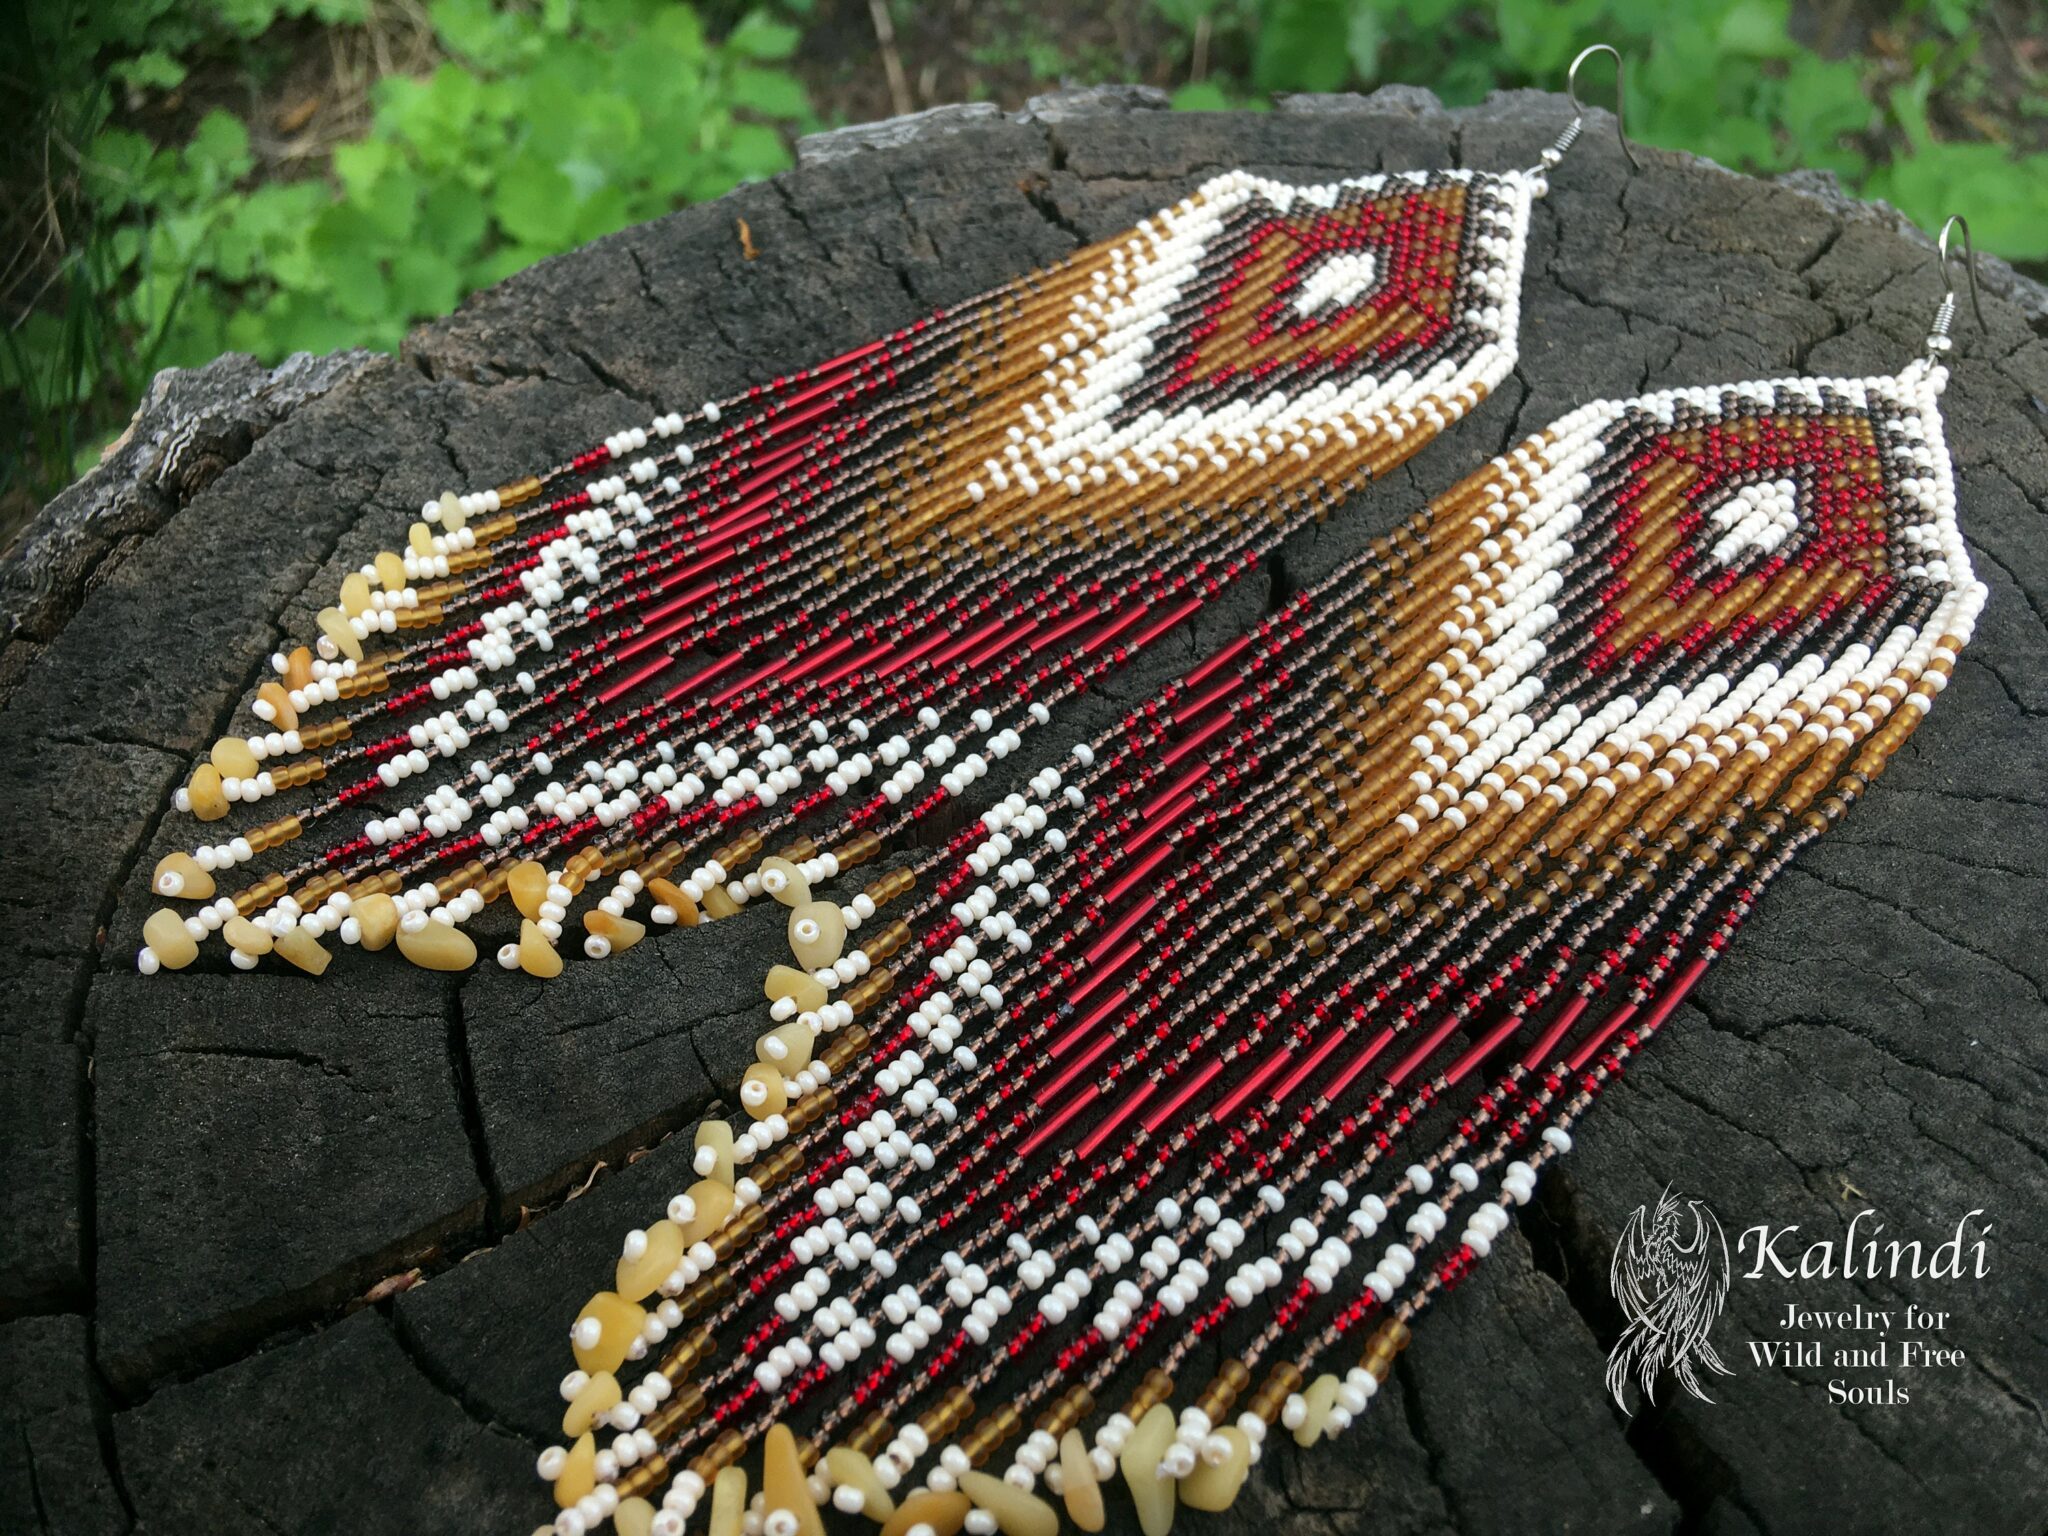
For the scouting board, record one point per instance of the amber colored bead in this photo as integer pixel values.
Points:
(728, 1448)
(643, 1478)
(869, 990)
(686, 1354)
(325, 734)
(982, 1440)
(939, 1421)
(1157, 1387)
(1387, 1341)
(888, 941)
(318, 889)
(875, 1431)
(846, 1045)
(1216, 1398)
(274, 834)
(368, 678)
(858, 849)
(706, 1294)
(684, 1405)
(779, 1165)
(1072, 1406)
(811, 1108)
(1281, 1383)
(260, 895)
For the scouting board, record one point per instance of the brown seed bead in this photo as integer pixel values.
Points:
(274, 834)
(309, 770)
(1073, 1405)
(949, 1413)
(689, 1352)
(875, 1432)
(684, 1405)
(1387, 1341)
(869, 990)
(706, 1294)
(1216, 1398)
(858, 849)
(847, 1044)
(888, 941)
(783, 1163)
(983, 1440)
(1157, 1387)
(810, 1109)
(728, 1448)
(260, 895)
(1281, 1383)
(894, 883)
(640, 1480)
(326, 734)
(740, 852)
(368, 678)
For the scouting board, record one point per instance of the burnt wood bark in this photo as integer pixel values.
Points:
(210, 1179)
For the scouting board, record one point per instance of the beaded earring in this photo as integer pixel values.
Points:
(1505, 785)
(798, 604)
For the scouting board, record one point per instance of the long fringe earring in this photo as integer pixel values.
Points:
(803, 618)
(1210, 1038)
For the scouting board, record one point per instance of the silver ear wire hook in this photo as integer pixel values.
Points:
(1948, 283)
(1577, 125)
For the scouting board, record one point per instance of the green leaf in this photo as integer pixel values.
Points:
(292, 322)
(360, 166)
(124, 247)
(425, 282)
(247, 18)
(755, 151)
(381, 184)
(503, 262)
(760, 36)
(219, 149)
(452, 220)
(674, 39)
(599, 214)
(531, 200)
(1298, 48)
(1364, 39)
(115, 166)
(153, 70)
(476, 30)
(1820, 104)
(436, 116)
(1202, 96)
(2002, 194)
(1757, 29)
(345, 249)
(769, 92)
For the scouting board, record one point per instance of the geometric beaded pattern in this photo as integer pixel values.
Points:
(703, 629)
(1490, 799)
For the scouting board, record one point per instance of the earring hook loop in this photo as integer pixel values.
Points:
(1577, 125)
(1948, 283)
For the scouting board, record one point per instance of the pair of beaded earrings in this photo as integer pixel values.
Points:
(1206, 1033)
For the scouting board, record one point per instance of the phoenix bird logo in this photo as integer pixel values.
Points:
(1670, 1275)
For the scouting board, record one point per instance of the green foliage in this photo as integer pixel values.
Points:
(1721, 78)
(547, 125)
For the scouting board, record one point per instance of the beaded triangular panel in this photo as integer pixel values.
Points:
(650, 658)
(1698, 556)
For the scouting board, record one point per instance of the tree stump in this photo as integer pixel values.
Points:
(286, 1255)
